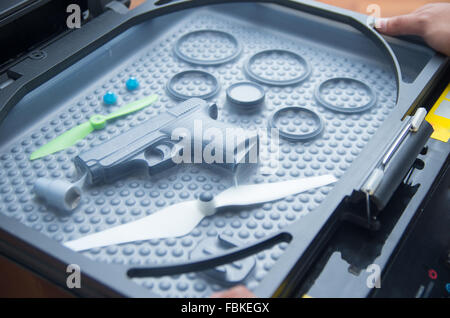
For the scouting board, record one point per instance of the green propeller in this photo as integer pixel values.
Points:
(70, 137)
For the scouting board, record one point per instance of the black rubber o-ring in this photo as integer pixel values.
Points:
(322, 101)
(297, 137)
(188, 59)
(176, 94)
(260, 79)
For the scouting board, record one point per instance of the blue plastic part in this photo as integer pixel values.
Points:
(276, 74)
(344, 92)
(291, 136)
(132, 84)
(204, 81)
(219, 39)
(110, 98)
(246, 94)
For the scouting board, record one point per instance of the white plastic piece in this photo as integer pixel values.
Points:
(173, 221)
(266, 192)
(418, 119)
(207, 208)
(180, 219)
(61, 194)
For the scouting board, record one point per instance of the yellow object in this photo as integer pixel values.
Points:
(439, 117)
(306, 296)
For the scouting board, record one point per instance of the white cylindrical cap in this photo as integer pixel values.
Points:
(60, 194)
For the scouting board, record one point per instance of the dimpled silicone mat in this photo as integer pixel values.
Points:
(343, 138)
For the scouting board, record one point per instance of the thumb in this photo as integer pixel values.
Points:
(400, 25)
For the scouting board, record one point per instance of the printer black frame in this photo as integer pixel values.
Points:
(49, 258)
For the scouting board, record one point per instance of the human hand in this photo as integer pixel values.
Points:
(235, 292)
(431, 22)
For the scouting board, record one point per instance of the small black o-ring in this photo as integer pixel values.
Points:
(178, 95)
(297, 137)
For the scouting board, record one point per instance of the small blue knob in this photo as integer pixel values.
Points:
(447, 286)
(132, 83)
(110, 98)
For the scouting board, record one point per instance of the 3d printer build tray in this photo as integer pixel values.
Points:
(147, 53)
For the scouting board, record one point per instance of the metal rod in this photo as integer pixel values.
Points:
(395, 145)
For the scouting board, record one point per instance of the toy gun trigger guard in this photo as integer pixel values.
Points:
(159, 156)
(213, 111)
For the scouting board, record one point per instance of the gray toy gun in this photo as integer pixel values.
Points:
(186, 133)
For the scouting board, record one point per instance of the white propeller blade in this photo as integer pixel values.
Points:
(266, 192)
(172, 221)
(181, 218)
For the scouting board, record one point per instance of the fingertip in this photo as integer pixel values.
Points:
(239, 291)
(400, 25)
(381, 24)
